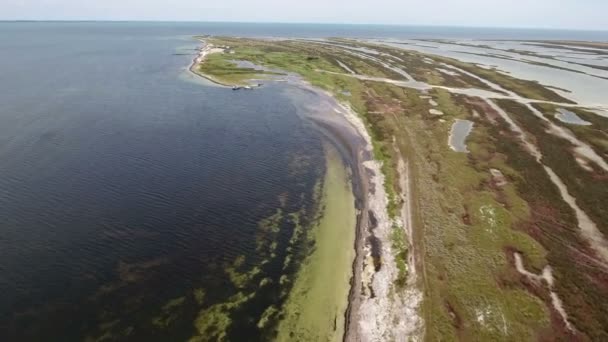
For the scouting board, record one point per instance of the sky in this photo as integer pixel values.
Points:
(570, 14)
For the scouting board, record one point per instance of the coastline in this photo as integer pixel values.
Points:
(375, 308)
(203, 52)
(343, 134)
(313, 311)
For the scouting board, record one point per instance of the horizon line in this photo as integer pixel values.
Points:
(295, 23)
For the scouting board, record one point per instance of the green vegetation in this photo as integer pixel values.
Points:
(269, 314)
(467, 226)
(315, 308)
(559, 155)
(241, 279)
(199, 296)
(398, 240)
(595, 135)
(169, 312)
(212, 323)
(553, 224)
(226, 72)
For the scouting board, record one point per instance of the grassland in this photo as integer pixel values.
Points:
(596, 134)
(554, 225)
(220, 70)
(557, 153)
(467, 226)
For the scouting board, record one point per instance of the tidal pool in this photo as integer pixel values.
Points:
(458, 135)
(569, 117)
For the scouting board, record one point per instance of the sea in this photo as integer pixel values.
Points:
(132, 192)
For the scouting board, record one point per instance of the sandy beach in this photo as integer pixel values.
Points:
(203, 52)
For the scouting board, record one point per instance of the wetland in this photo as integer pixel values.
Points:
(448, 263)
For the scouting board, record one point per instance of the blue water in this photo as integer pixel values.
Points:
(124, 184)
(82, 29)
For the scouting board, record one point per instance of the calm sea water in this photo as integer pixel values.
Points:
(82, 29)
(125, 184)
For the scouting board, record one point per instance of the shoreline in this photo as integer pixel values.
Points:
(200, 58)
(373, 310)
(341, 133)
(311, 305)
(379, 300)
(354, 156)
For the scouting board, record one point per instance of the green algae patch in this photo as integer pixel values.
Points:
(267, 316)
(199, 295)
(169, 313)
(212, 323)
(241, 279)
(268, 230)
(315, 308)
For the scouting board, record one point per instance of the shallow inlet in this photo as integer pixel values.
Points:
(458, 135)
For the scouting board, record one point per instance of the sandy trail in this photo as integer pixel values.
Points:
(547, 276)
(345, 67)
(207, 50)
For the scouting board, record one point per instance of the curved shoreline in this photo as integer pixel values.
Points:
(353, 155)
(374, 309)
(200, 57)
(343, 134)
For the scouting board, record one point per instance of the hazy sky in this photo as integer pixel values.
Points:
(579, 14)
